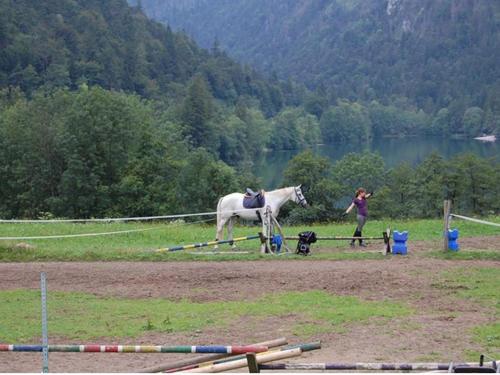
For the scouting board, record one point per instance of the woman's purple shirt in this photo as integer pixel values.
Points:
(361, 205)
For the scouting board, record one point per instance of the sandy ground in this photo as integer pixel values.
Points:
(439, 330)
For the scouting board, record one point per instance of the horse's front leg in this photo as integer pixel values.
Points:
(220, 231)
(263, 246)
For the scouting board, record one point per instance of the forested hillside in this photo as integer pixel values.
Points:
(63, 43)
(104, 112)
(437, 56)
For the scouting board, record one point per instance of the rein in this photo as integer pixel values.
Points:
(300, 196)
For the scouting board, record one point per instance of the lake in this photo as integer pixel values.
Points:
(394, 151)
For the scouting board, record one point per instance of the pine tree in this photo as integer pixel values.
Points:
(197, 111)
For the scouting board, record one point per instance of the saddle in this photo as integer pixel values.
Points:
(254, 199)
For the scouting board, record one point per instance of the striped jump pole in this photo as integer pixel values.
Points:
(136, 349)
(192, 362)
(386, 237)
(204, 244)
(337, 238)
(371, 366)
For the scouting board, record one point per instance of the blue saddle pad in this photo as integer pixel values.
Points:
(257, 201)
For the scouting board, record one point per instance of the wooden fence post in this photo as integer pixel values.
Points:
(253, 365)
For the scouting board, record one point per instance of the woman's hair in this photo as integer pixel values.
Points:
(359, 191)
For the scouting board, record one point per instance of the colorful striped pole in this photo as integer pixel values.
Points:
(204, 244)
(136, 349)
(193, 361)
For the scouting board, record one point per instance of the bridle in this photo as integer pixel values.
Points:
(300, 197)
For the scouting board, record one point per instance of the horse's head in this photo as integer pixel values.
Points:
(299, 196)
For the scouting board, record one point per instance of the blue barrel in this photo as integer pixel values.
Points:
(452, 240)
(276, 242)
(400, 239)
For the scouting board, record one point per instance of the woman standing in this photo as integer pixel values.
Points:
(361, 205)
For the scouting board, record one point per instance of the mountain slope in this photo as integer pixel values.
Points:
(55, 43)
(434, 54)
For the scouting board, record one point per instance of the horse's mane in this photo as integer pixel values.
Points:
(280, 189)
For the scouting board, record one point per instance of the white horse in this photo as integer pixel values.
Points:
(231, 207)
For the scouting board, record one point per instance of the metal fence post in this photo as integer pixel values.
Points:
(45, 340)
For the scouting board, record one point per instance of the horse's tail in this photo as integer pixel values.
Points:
(219, 203)
(219, 217)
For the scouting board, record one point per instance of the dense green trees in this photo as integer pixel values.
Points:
(94, 152)
(346, 121)
(400, 192)
(473, 121)
(293, 129)
(357, 122)
(63, 43)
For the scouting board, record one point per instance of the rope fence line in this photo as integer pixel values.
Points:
(139, 218)
(450, 236)
(77, 235)
(475, 220)
(98, 234)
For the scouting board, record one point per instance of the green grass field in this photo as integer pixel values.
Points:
(120, 317)
(309, 312)
(481, 286)
(314, 311)
(141, 245)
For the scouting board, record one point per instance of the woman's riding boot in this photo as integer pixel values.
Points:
(361, 241)
(357, 233)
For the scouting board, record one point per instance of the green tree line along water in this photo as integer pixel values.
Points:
(394, 151)
(94, 153)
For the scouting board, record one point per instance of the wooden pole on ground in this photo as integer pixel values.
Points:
(303, 367)
(262, 358)
(204, 358)
(304, 347)
(446, 212)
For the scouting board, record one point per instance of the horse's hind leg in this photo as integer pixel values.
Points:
(263, 246)
(220, 230)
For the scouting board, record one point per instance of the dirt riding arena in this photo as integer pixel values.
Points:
(441, 323)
